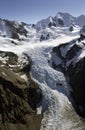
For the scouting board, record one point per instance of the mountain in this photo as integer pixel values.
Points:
(42, 74)
(71, 57)
(61, 19)
(15, 30)
(47, 27)
(81, 20)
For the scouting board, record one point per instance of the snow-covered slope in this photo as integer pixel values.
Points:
(59, 113)
(61, 19)
(80, 20)
(14, 29)
(46, 29)
(56, 104)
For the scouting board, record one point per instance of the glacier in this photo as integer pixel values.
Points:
(57, 109)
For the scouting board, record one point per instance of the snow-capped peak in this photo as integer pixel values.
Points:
(50, 27)
(61, 19)
(66, 18)
(80, 20)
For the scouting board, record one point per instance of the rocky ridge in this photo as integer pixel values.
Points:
(19, 94)
(42, 30)
(70, 59)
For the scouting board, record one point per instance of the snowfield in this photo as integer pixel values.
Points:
(56, 104)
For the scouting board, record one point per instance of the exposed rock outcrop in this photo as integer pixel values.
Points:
(19, 94)
(44, 37)
(77, 81)
(70, 59)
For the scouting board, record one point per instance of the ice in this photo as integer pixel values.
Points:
(56, 105)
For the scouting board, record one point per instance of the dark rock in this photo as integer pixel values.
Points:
(77, 80)
(15, 35)
(82, 37)
(72, 52)
(82, 31)
(21, 30)
(35, 96)
(16, 30)
(18, 97)
(12, 58)
(48, 36)
(60, 22)
(14, 42)
(52, 24)
(58, 51)
(42, 38)
(71, 28)
(75, 71)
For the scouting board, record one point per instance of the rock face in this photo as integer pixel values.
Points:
(77, 81)
(19, 94)
(12, 29)
(44, 37)
(70, 59)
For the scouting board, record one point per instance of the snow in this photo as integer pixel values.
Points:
(56, 103)
(3, 73)
(3, 59)
(79, 55)
(67, 19)
(43, 23)
(55, 91)
(39, 110)
(4, 29)
(17, 23)
(42, 26)
(82, 54)
(24, 77)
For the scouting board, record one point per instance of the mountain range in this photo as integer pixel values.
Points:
(20, 30)
(42, 74)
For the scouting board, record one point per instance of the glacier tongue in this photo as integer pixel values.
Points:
(58, 111)
(56, 106)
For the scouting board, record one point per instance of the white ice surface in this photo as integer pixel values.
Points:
(58, 111)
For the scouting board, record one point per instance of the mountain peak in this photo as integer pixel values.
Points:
(20, 30)
(63, 13)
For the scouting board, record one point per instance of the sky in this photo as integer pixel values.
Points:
(31, 11)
